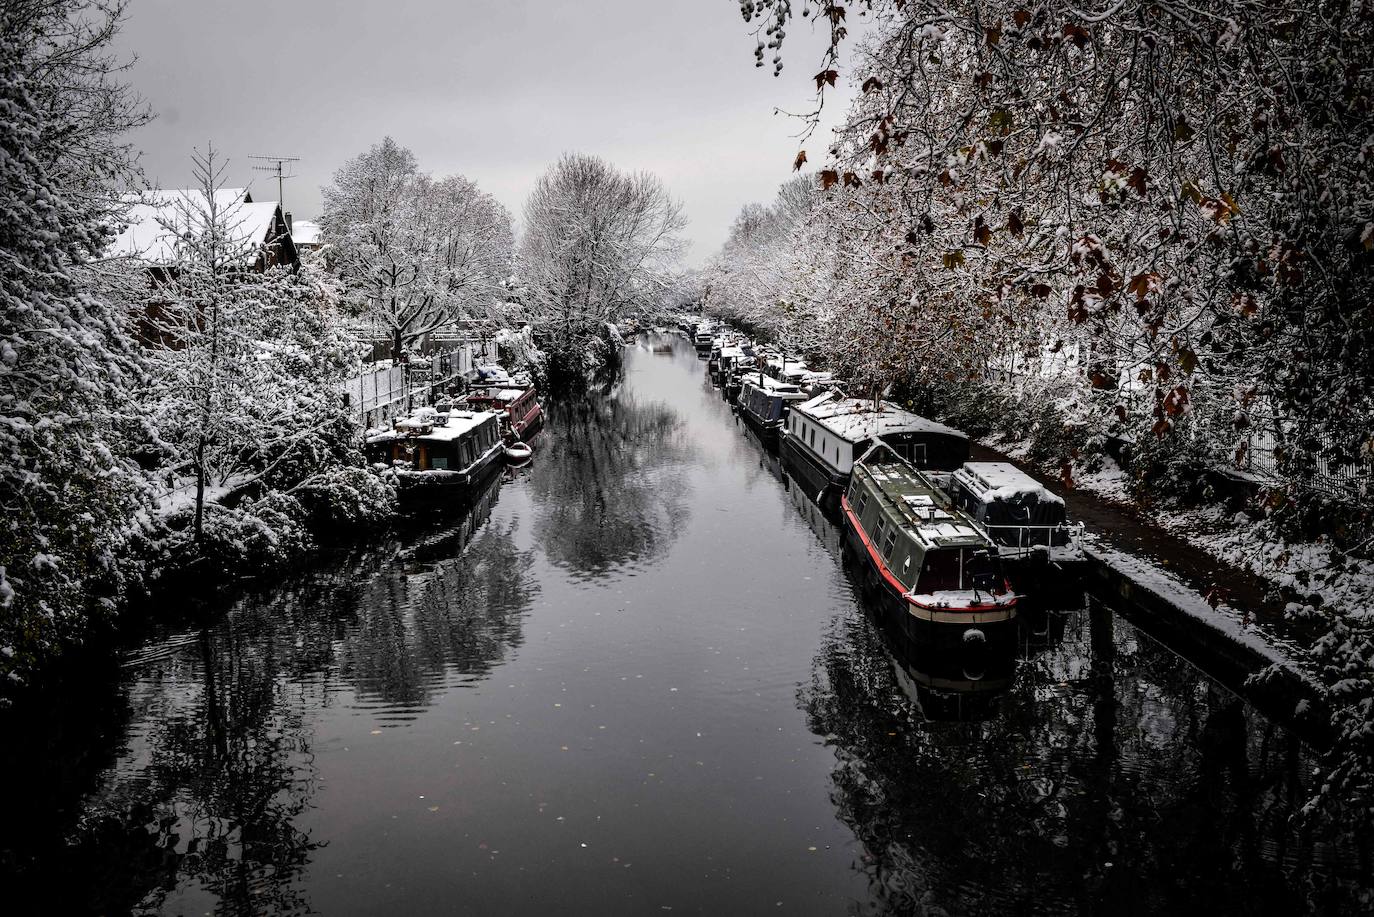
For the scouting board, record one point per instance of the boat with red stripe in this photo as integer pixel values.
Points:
(938, 569)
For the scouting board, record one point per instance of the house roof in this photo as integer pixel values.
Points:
(157, 220)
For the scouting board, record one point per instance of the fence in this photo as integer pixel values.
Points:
(377, 397)
(381, 395)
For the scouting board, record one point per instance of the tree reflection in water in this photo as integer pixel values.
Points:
(1110, 775)
(609, 482)
(216, 766)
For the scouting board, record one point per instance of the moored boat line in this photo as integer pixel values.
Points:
(949, 544)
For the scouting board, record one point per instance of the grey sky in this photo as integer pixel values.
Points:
(492, 89)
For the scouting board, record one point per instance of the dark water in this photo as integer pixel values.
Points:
(637, 677)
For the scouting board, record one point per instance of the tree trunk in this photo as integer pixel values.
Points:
(200, 489)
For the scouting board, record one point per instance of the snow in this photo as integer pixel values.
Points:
(459, 423)
(305, 232)
(1002, 481)
(148, 237)
(854, 419)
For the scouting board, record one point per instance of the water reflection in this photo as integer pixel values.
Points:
(1106, 774)
(419, 628)
(196, 782)
(610, 482)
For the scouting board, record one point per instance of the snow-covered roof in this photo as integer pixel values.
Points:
(1002, 481)
(493, 393)
(854, 419)
(157, 220)
(459, 423)
(305, 232)
(773, 386)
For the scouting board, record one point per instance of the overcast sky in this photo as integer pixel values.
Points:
(492, 89)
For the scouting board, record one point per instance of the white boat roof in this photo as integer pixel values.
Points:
(459, 423)
(774, 386)
(854, 419)
(499, 392)
(1002, 481)
(731, 350)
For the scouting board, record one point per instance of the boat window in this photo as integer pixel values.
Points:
(439, 462)
(940, 571)
(889, 544)
(863, 501)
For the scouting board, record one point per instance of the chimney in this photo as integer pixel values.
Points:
(288, 220)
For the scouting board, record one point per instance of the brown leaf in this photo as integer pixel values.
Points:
(1041, 290)
(995, 147)
(826, 77)
(871, 84)
(994, 34)
(879, 176)
(1014, 224)
(1076, 34)
(954, 258)
(1187, 359)
(851, 180)
(1183, 132)
(1138, 182)
(828, 178)
(800, 161)
(1021, 17)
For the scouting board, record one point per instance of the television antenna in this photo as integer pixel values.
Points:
(278, 166)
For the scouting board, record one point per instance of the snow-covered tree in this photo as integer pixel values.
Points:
(68, 490)
(596, 242)
(245, 370)
(416, 254)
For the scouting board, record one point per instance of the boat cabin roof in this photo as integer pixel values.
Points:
(923, 508)
(854, 419)
(770, 385)
(497, 393)
(459, 424)
(989, 481)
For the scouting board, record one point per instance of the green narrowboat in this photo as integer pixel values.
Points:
(933, 566)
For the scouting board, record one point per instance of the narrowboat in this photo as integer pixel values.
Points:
(703, 338)
(439, 453)
(823, 437)
(936, 571)
(1025, 520)
(731, 356)
(519, 404)
(763, 403)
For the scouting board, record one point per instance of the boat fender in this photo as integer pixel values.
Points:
(974, 637)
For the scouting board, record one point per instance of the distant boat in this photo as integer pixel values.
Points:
(935, 569)
(764, 402)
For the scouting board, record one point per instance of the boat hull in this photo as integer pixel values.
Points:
(443, 488)
(766, 432)
(818, 482)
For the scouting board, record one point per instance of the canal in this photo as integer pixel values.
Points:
(640, 677)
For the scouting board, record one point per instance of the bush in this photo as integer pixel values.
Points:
(347, 497)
